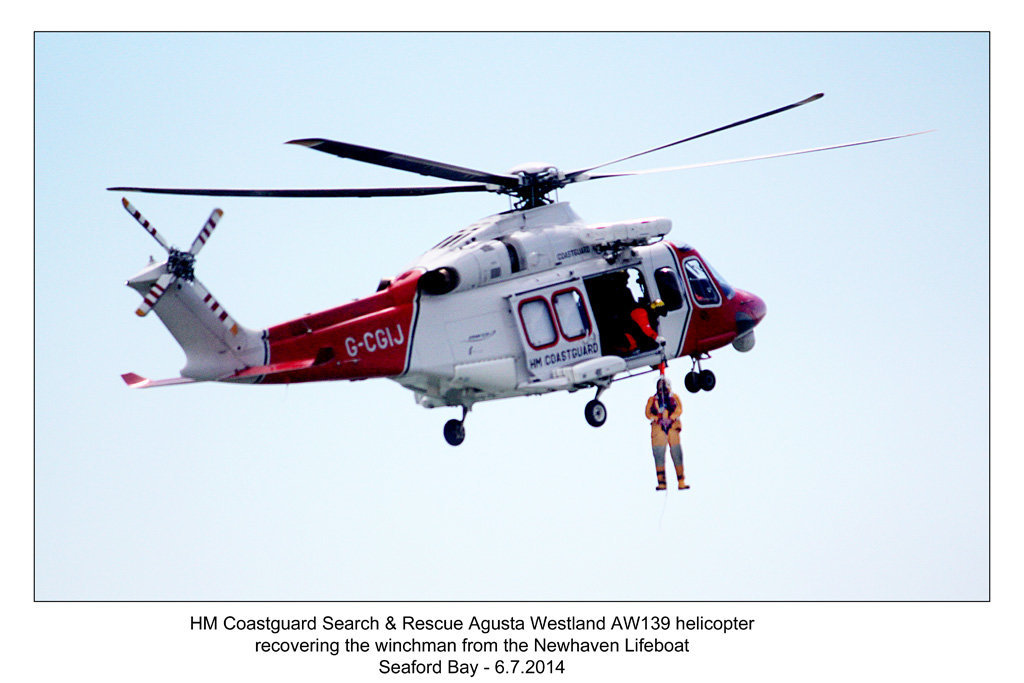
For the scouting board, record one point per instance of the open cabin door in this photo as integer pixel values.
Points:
(637, 303)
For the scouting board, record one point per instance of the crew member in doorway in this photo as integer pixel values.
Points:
(631, 326)
(663, 410)
(640, 330)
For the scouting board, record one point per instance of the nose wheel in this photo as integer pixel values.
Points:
(698, 379)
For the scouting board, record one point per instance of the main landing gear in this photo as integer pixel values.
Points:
(697, 379)
(455, 430)
(594, 411)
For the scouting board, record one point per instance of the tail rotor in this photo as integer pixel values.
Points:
(154, 294)
(180, 264)
(205, 233)
(145, 223)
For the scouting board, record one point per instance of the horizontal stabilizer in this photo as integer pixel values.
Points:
(139, 382)
(324, 355)
(274, 368)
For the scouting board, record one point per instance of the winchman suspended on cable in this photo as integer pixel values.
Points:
(663, 410)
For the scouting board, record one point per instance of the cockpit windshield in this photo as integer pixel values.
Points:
(704, 292)
(726, 287)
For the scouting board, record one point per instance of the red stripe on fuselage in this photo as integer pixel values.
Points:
(715, 326)
(369, 337)
(710, 327)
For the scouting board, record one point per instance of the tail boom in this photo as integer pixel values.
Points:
(369, 337)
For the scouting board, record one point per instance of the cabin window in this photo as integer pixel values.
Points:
(537, 323)
(669, 288)
(571, 314)
(704, 292)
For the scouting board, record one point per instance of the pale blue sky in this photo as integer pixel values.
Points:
(845, 457)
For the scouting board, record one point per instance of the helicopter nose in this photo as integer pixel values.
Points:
(751, 311)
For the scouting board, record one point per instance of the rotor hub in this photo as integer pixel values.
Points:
(537, 179)
(181, 264)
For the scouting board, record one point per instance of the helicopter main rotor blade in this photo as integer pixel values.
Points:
(756, 158)
(404, 162)
(340, 192)
(573, 175)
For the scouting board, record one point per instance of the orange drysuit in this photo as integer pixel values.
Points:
(663, 410)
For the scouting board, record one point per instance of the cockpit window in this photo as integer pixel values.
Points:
(727, 289)
(704, 292)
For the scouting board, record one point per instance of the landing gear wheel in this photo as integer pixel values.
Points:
(454, 432)
(692, 382)
(706, 379)
(596, 413)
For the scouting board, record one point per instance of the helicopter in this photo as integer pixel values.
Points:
(528, 301)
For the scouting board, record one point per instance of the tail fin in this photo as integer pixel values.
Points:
(215, 344)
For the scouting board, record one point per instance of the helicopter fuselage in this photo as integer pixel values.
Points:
(520, 303)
